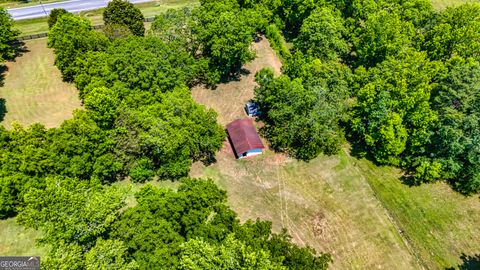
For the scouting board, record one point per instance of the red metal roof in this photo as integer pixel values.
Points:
(244, 136)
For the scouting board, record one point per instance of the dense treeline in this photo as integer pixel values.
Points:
(139, 122)
(191, 228)
(398, 78)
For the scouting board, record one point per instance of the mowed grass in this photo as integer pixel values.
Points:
(34, 90)
(149, 9)
(440, 223)
(15, 240)
(360, 213)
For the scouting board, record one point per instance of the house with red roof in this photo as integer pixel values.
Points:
(244, 138)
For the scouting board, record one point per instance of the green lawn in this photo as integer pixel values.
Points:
(150, 9)
(34, 90)
(17, 241)
(440, 223)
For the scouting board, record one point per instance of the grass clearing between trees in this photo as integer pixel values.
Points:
(359, 212)
(15, 240)
(34, 90)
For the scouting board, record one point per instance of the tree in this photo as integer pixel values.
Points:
(384, 34)
(121, 12)
(455, 143)
(171, 133)
(392, 115)
(71, 37)
(456, 32)
(321, 35)
(54, 15)
(225, 33)
(7, 36)
(302, 115)
(230, 254)
(109, 254)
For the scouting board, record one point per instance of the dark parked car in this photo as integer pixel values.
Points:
(252, 109)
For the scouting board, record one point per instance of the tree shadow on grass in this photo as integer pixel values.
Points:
(469, 262)
(19, 49)
(3, 70)
(3, 109)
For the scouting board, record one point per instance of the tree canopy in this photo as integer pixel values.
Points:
(7, 36)
(124, 13)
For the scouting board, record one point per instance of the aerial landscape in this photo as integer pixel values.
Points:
(240, 134)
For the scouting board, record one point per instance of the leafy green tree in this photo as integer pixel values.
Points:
(231, 254)
(455, 143)
(321, 35)
(302, 115)
(384, 34)
(121, 12)
(54, 15)
(109, 254)
(176, 26)
(102, 104)
(71, 211)
(225, 33)
(294, 12)
(171, 133)
(7, 35)
(392, 115)
(71, 37)
(456, 32)
(134, 63)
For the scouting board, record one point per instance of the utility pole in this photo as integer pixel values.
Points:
(41, 4)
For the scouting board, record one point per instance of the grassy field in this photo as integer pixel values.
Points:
(150, 9)
(17, 241)
(34, 90)
(360, 213)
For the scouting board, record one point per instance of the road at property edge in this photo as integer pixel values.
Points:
(73, 6)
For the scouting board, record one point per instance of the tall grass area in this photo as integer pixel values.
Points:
(149, 9)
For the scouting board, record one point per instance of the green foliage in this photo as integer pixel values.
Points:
(225, 33)
(384, 34)
(108, 254)
(54, 15)
(175, 26)
(321, 35)
(457, 133)
(302, 115)
(455, 32)
(171, 133)
(7, 36)
(393, 114)
(121, 12)
(90, 209)
(277, 41)
(231, 254)
(70, 37)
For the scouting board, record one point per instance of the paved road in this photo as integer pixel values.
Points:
(73, 6)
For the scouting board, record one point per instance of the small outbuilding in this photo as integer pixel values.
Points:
(244, 138)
